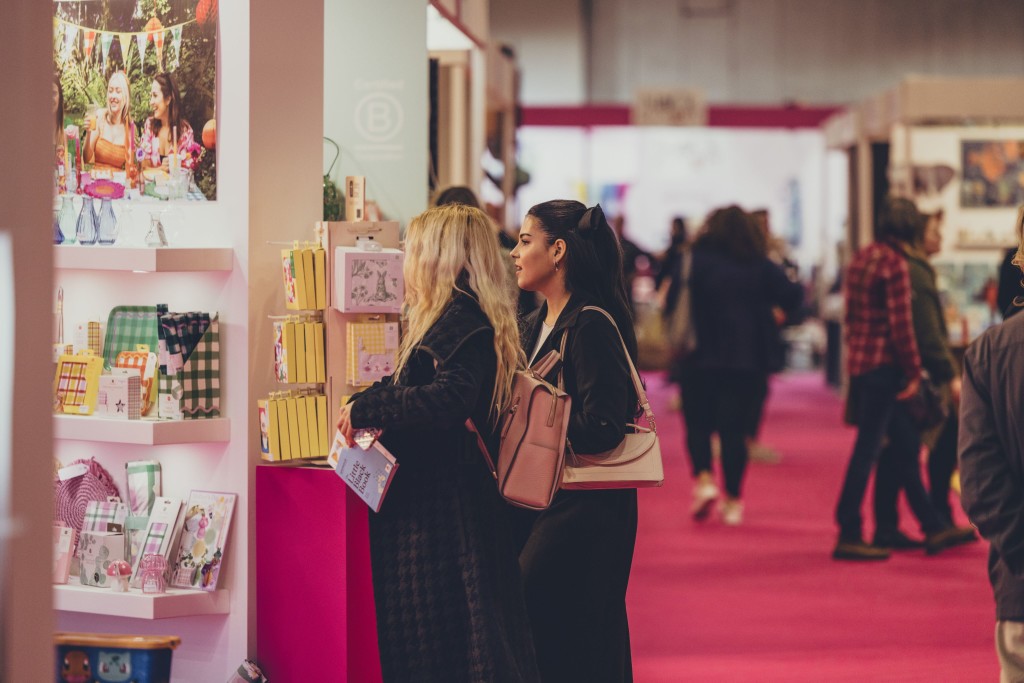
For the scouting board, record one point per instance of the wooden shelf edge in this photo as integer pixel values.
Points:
(144, 432)
(144, 259)
(137, 605)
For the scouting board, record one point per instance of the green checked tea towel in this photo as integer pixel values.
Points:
(127, 327)
(200, 378)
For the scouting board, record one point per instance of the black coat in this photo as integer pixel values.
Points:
(445, 577)
(992, 456)
(732, 309)
(578, 553)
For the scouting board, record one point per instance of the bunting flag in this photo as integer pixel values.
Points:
(125, 39)
(176, 42)
(89, 39)
(58, 38)
(142, 40)
(158, 43)
(105, 41)
(70, 36)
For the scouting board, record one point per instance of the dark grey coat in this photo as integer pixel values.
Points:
(992, 456)
(445, 574)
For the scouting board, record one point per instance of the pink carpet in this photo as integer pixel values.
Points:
(765, 602)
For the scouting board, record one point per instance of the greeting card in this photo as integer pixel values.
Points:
(204, 535)
(368, 281)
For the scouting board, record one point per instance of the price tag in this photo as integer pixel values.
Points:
(72, 471)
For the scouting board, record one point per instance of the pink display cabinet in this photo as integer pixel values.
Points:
(314, 595)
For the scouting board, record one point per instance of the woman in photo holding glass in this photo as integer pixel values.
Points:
(166, 132)
(578, 554)
(110, 139)
(445, 573)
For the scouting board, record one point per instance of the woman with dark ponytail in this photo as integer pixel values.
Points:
(578, 553)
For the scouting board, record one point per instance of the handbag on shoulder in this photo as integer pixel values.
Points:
(635, 462)
(680, 327)
(531, 449)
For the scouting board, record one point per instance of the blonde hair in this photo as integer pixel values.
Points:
(1018, 258)
(440, 244)
(126, 91)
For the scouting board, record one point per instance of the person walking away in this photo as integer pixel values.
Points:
(578, 552)
(734, 288)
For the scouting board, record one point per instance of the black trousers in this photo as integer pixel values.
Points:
(726, 402)
(575, 568)
(941, 465)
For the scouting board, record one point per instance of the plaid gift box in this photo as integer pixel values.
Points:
(76, 384)
(127, 327)
(144, 361)
(120, 394)
(105, 515)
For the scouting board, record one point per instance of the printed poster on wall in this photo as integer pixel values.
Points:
(135, 91)
(993, 173)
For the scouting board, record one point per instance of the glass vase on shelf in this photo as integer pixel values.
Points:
(85, 229)
(156, 237)
(66, 219)
(58, 238)
(106, 229)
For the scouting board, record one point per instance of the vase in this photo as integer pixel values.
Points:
(86, 226)
(106, 229)
(156, 236)
(66, 220)
(57, 237)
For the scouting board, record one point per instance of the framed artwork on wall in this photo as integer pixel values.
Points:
(993, 173)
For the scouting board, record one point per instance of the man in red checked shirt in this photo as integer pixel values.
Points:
(885, 370)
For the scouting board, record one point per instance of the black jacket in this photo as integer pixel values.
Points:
(992, 456)
(732, 307)
(595, 372)
(445, 573)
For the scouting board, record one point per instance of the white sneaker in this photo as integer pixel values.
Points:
(705, 494)
(732, 512)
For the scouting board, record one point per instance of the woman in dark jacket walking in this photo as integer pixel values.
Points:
(445, 572)
(734, 287)
(577, 557)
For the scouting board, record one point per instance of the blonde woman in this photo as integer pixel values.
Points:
(445, 573)
(111, 134)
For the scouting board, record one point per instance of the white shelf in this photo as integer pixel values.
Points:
(146, 432)
(143, 259)
(137, 605)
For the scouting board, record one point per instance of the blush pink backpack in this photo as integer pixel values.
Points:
(531, 452)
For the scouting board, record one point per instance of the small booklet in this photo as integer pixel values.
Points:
(368, 470)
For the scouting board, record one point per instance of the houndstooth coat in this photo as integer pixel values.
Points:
(445, 574)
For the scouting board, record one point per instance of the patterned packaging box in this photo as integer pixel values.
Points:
(96, 550)
(63, 540)
(372, 347)
(159, 535)
(368, 281)
(120, 394)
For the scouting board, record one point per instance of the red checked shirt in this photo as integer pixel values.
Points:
(879, 329)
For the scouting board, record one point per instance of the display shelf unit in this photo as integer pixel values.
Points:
(146, 432)
(143, 259)
(138, 605)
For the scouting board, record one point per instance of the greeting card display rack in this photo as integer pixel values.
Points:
(338, 384)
